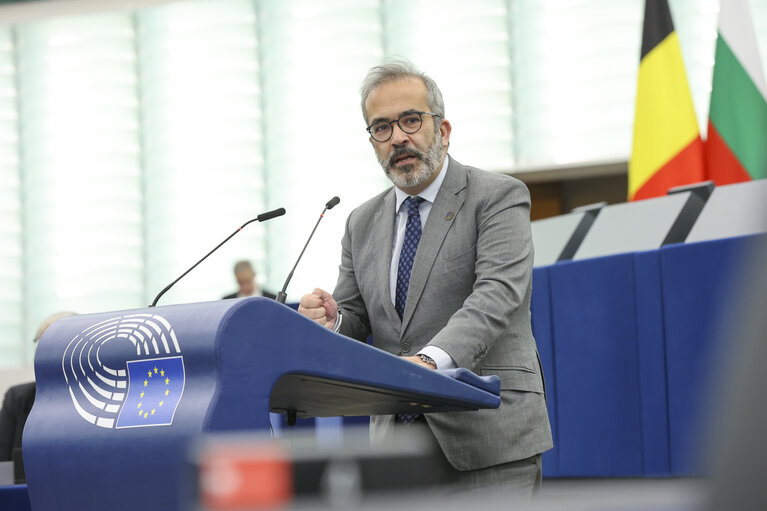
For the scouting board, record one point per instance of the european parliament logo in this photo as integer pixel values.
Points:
(111, 391)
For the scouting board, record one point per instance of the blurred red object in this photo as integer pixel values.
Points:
(245, 477)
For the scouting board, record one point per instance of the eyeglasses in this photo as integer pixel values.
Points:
(409, 123)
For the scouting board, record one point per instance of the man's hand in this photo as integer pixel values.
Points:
(417, 360)
(320, 307)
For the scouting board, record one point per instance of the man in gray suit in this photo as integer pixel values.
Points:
(438, 269)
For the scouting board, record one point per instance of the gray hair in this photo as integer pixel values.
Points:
(398, 70)
(243, 266)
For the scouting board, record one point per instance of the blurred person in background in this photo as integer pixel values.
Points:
(18, 402)
(245, 276)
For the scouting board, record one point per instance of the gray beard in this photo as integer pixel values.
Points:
(416, 173)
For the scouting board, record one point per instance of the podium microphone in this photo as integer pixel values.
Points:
(281, 296)
(263, 217)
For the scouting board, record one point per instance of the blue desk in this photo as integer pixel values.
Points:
(14, 498)
(625, 342)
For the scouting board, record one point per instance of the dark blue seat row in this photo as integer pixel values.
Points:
(626, 344)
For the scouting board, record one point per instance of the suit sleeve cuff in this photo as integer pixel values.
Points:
(440, 357)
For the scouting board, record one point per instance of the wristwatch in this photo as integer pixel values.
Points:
(428, 360)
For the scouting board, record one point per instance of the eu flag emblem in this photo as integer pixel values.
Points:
(155, 386)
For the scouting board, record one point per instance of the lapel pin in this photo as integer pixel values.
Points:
(449, 216)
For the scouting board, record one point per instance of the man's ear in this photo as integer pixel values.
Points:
(445, 128)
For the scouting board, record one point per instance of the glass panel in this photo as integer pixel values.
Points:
(575, 73)
(202, 140)
(80, 156)
(315, 55)
(464, 46)
(12, 352)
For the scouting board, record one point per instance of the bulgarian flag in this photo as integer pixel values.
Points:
(667, 149)
(736, 149)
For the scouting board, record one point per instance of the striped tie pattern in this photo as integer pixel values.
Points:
(406, 257)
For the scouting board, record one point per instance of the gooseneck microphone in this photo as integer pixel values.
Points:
(281, 296)
(263, 217)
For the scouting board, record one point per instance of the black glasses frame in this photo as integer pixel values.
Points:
(420, 114)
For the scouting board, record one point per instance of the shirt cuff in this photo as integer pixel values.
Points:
(339, 319)
(440, 357)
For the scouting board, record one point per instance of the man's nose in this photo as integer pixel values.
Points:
(399, 137)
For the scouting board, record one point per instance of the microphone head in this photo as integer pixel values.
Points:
(333, 202)
(270, 214)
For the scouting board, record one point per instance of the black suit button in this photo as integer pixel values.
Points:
(405, 347)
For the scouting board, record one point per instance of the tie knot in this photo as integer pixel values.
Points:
(412, 204)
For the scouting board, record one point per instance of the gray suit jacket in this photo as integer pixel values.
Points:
(469, 295)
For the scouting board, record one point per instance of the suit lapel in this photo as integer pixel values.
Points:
(384, 226)
(443, 212)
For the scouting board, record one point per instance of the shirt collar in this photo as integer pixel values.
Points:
(429, 194)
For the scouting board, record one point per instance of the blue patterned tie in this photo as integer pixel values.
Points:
(406, 256)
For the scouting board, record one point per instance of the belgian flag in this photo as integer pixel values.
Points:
(667, 149)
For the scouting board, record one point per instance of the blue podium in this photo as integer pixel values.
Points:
(121, 396)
